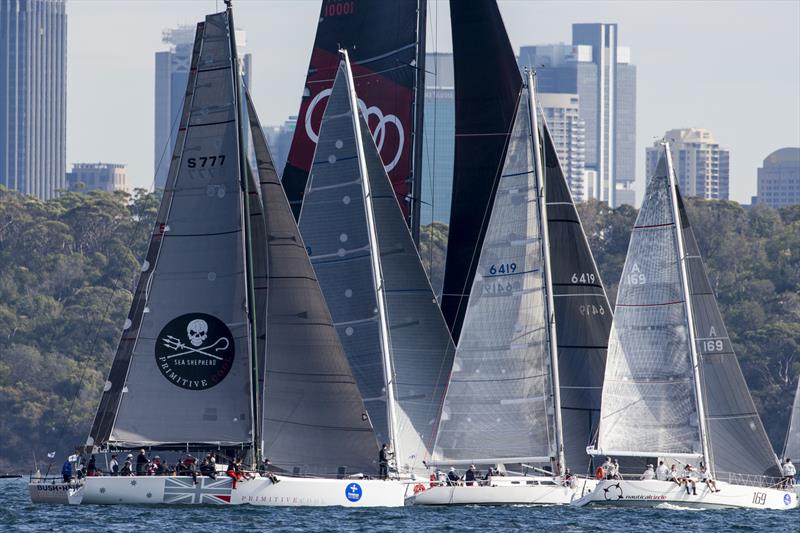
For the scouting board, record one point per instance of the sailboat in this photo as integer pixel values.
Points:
(379, 295)
(503, 404)
(673, 389)
(229, 345)
(791, 447)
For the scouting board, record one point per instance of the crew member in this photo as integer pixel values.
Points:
(66, 471)
(383, 461)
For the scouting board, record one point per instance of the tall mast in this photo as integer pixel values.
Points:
(415, 205)
(383, 325)
(701, 408)
(551, 319)
(255, 409)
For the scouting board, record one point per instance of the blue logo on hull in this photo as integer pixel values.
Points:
(353, 492)
(787, 499)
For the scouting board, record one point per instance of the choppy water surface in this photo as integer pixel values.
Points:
(19, 514)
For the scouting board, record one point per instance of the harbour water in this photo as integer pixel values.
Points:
(19, 514)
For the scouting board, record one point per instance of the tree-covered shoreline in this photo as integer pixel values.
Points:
(67, 267)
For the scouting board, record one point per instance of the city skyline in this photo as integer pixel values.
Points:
(691, 72)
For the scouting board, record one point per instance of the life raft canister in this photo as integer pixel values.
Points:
(600, 473)
(419, 487)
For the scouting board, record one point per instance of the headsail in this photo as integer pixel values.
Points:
(499, 404)
(313, 417)
(649, 406)
(386, 42)
(583, 314)
(739, 443)
(792, 446)
(487, 85)
(336, 225)
(182, 370)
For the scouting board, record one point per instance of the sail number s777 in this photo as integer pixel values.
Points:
(206, 161)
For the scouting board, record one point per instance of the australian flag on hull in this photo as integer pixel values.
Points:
(385, 41)
(183, 490)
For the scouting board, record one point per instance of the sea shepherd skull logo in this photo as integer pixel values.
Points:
(195, 351)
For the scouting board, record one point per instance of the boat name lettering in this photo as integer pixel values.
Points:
(53, 488)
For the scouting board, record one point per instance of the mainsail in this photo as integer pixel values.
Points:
(673, 386)
(648, 405)
(738, 441)
(313, 417)
(386, 42)
(583, 314)
(487, 88)
(499, 405)
(182, 371)
(373, 280)
(792, 446)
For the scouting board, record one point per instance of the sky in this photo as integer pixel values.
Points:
(732, 67)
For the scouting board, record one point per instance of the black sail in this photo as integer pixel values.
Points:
(314, 418)
(583, 314)
(386, 43)
(739, 443)
(487, 89)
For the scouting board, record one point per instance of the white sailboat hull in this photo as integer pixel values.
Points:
(527, 490)
(288, 492)
(654, 493)
(57, 493)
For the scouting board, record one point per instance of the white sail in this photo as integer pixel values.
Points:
(649, 405)
(792, 447)
(499, 403)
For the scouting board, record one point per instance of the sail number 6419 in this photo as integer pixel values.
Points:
(503, 268)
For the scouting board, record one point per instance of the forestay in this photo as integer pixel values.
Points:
(738, 441)
(334, 226)
(792, 447)
(499, 404)
(182, 370)
(648, 403)
(583, 314)
(313, 417)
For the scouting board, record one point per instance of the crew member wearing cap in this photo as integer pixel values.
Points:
(649, 473)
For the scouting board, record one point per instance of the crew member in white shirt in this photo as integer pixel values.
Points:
(789, 471)
(649, 473)
(662, 472)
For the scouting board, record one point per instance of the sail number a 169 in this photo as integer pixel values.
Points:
(502, 268)
(206, 161)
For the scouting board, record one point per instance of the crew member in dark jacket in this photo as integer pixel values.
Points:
(141, 463)
(383, 461)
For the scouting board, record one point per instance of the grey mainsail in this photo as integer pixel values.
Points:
(738, 441)
(314, 418)
(499, 404)
(339, 223)
(182, 370)
(583, 314)
(792, 446)
(649, 406)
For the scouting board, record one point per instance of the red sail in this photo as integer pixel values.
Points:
(382, 39)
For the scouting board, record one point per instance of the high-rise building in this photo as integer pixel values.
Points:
(561, 112)
(702, 167)
(98, 176)
(172, 75)
(600, 72)
(779, 178)
(33, 96)
(438, 138)
(279, 139)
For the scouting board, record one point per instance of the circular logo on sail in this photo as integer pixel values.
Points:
(195, 351)
(353, 492)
